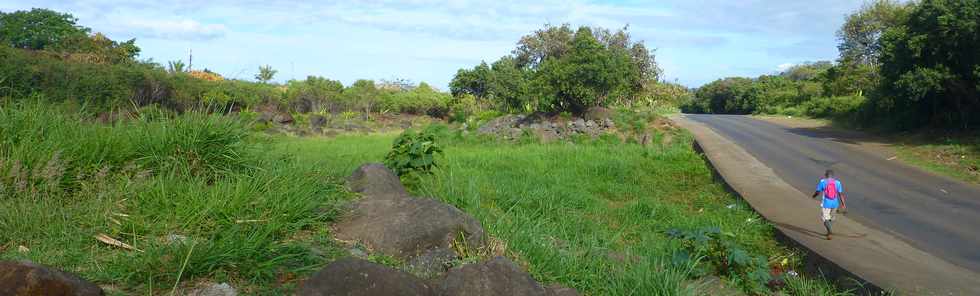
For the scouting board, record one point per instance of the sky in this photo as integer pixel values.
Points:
(696, 42)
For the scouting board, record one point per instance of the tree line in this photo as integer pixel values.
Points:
(44, 53)
(901, 65)
(561, 69)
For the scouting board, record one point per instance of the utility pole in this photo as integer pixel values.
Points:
(190, 61)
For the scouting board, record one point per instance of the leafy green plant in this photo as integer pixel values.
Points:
(723, 256)
(348, 115)
(413, 153)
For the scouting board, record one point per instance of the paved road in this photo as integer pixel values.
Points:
(932, 213)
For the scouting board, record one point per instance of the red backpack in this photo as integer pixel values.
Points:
(831, 190)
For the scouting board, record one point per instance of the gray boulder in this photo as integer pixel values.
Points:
(376, 180)
(432, 263)
(283, 118)
(318, 121)
(26, 278)
(357, 277)
(497, 277)
(406, 227)
(598, 113)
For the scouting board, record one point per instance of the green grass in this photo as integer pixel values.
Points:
(956, 156)
(254, 219)
(592, 215)
(254, 210)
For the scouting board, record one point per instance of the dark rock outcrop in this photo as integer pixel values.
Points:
(375, 180)
(406, 227)
(357, 277)
(28, 279)
(497, 277)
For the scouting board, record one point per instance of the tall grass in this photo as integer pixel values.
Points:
(164, 187)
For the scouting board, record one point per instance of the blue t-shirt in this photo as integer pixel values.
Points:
(830, 203)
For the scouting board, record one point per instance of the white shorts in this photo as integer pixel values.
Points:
(828, 214)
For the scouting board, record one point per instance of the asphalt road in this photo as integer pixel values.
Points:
(935, 214)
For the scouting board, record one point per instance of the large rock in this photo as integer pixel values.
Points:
(357, 277)
(376, 180)
(432, 263)
(28, 279)
(283, 118)
(318, 121)
(598, 114)
(406, 227)
(497, 277)
(500, 124)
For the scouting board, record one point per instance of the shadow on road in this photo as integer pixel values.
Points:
(816, 234)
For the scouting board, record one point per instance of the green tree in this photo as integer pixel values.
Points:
(930, 66)
(550, 42)
(362, 95)
(266, 73)
(733, 95)
(315, 94)
(556, 69)
(474, 82)
(38, 28)
(860, 34)
(175, 66)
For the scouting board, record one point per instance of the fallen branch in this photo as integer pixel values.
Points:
(102, 237)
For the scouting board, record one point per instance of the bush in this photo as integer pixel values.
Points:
(845, 107)
(413, 153)
(422, 99)
(722, 256)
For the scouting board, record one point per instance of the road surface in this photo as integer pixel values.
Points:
(935, 214)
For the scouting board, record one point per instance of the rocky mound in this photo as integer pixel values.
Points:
(597, 121)
(357, 277)
(26, 278)
(418, 230)
(425, 233)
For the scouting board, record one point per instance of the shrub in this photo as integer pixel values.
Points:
(833, 107)
(413, 153)
(722, 256)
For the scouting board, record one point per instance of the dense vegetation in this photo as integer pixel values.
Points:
(46, 53)
(558, 69)
(901, 65)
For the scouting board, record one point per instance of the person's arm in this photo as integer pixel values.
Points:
(843, 198)
(820, 185)
(843, 202)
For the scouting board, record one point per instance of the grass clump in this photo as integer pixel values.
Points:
(192, 195)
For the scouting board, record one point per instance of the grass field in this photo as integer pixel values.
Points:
(199, 199)
(591, 215)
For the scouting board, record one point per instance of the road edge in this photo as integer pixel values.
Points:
(886, 262)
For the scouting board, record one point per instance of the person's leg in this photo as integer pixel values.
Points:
(827, 220)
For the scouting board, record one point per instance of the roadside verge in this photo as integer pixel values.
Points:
(859, 251)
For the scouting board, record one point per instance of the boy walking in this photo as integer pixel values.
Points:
(833, 196)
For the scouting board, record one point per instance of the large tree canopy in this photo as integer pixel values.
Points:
(931, 65)
(560, 69)
(38, 28)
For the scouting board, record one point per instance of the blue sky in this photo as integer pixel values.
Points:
(696, 41)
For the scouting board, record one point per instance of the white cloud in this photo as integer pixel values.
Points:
(184, 29)
(785, 66)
